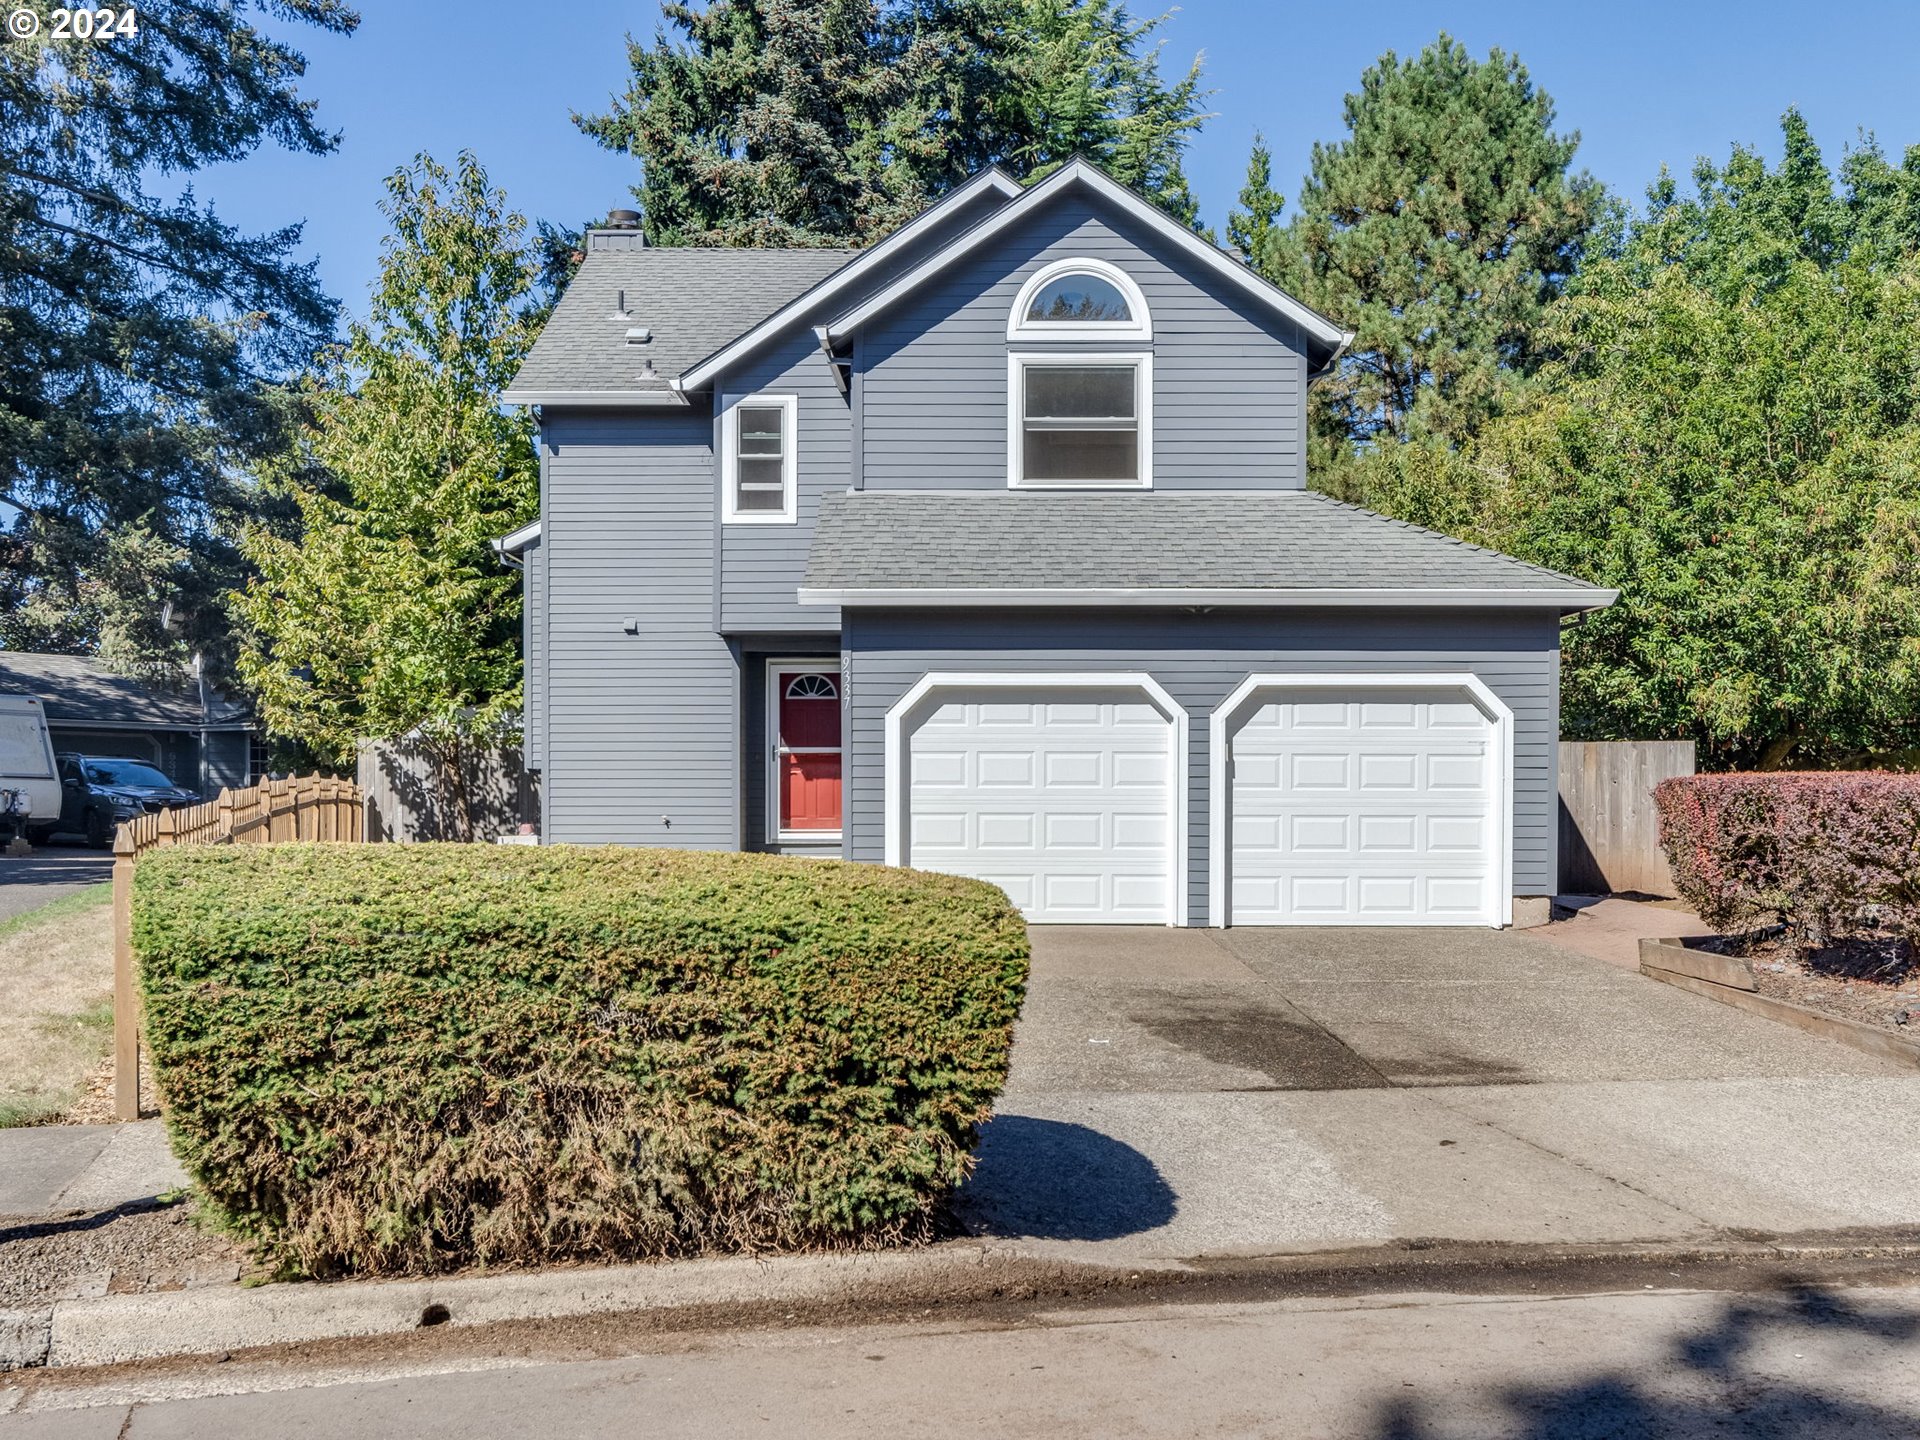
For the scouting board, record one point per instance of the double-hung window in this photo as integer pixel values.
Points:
(1080, 419)
(757, 446)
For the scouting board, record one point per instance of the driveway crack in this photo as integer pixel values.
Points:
(1434, 1092)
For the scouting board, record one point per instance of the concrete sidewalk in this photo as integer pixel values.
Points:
(52, 1169)
(1611, 929)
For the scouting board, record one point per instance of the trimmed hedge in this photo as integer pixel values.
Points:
(407, 1058)
(1825, 854)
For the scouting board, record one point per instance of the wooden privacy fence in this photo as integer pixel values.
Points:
(469, 792)
(313, 808)
(1609, 828)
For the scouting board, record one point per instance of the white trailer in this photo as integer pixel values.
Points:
(29, 784)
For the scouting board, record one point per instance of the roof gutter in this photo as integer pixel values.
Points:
(1347, 338)
(599, 399)
(1568, 601)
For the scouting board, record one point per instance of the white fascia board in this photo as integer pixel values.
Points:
(607, 399)
(698, 377)
(514, 543)
(1080, 172)
(1490, 599)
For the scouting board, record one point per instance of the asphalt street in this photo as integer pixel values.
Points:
(1804, 1362)
(29, 881)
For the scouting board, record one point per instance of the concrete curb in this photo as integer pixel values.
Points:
(119, 1328)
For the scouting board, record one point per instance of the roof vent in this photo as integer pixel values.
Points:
(623, 219)
(639, 335)
(620, 306)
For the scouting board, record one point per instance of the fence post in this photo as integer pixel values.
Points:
(126, 998)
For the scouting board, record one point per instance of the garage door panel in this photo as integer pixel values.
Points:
(1063, 798)
(1014, 768)
(1399, 771)
(1005, 832)
(1388, 832)
(1374, 807)
(1310, 771)
(941, 769)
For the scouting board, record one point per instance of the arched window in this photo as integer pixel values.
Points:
(812, 687)
(1080, 299)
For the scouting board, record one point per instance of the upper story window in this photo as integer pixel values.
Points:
(1079, 419)
(757, 467)
(1079, 299)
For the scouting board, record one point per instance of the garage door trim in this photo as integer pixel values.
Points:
(1229, 710)
(896, 768)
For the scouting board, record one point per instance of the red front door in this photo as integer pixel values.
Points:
(807, 749)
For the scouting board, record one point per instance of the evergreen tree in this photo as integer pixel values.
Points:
(744, 125)
(1253, 224)
(139, 330)
(388, 613)
(1438, 230)
(797, 122)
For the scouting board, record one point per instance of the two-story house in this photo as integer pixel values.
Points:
(988, 549)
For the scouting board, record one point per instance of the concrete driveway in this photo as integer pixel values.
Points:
(1184, 1093)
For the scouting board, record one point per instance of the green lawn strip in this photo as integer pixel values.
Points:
(65, 908)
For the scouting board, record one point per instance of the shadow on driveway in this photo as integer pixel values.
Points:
(1053, 1180)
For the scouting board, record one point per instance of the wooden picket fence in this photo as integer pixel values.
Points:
(314, 807)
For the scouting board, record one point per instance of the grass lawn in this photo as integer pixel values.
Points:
(56, 1003)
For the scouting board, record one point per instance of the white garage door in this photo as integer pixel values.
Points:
(1365, 807)
(1062, 797)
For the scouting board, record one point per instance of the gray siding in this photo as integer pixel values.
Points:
(1229, 379)
(761, 565)
(533, 653)
(1199, 659)
(641, 744)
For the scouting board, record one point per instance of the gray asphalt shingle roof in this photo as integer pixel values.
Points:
(1213, 540)
(76, 690)
(694, 301)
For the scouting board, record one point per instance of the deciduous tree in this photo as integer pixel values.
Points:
(1729, 434)
(388, 613)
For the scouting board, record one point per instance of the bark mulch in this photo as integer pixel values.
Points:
(1870, 978)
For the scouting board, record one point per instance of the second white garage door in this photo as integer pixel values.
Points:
(1063, 797)
(1368, 806)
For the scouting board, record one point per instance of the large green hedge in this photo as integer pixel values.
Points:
(405, 1058)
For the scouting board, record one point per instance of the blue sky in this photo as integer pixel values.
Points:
(1642, 83)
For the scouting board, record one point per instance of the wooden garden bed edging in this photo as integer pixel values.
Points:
(1730, 981)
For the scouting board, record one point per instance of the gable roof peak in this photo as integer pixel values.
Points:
(1321, 331)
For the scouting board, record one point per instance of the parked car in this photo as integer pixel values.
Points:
(98, 792)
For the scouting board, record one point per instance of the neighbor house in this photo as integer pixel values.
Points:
(196, 738)
(988, 549)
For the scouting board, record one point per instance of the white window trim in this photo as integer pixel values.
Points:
(816, 664)
(1219, 758)
(787, 514)
(895, 767)
(1017, 362)
(1140, 327)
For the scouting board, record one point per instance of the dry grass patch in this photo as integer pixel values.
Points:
(56, 1003)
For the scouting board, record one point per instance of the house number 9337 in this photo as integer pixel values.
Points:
(104, 23)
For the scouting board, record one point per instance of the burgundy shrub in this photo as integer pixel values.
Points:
(1824, 853)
